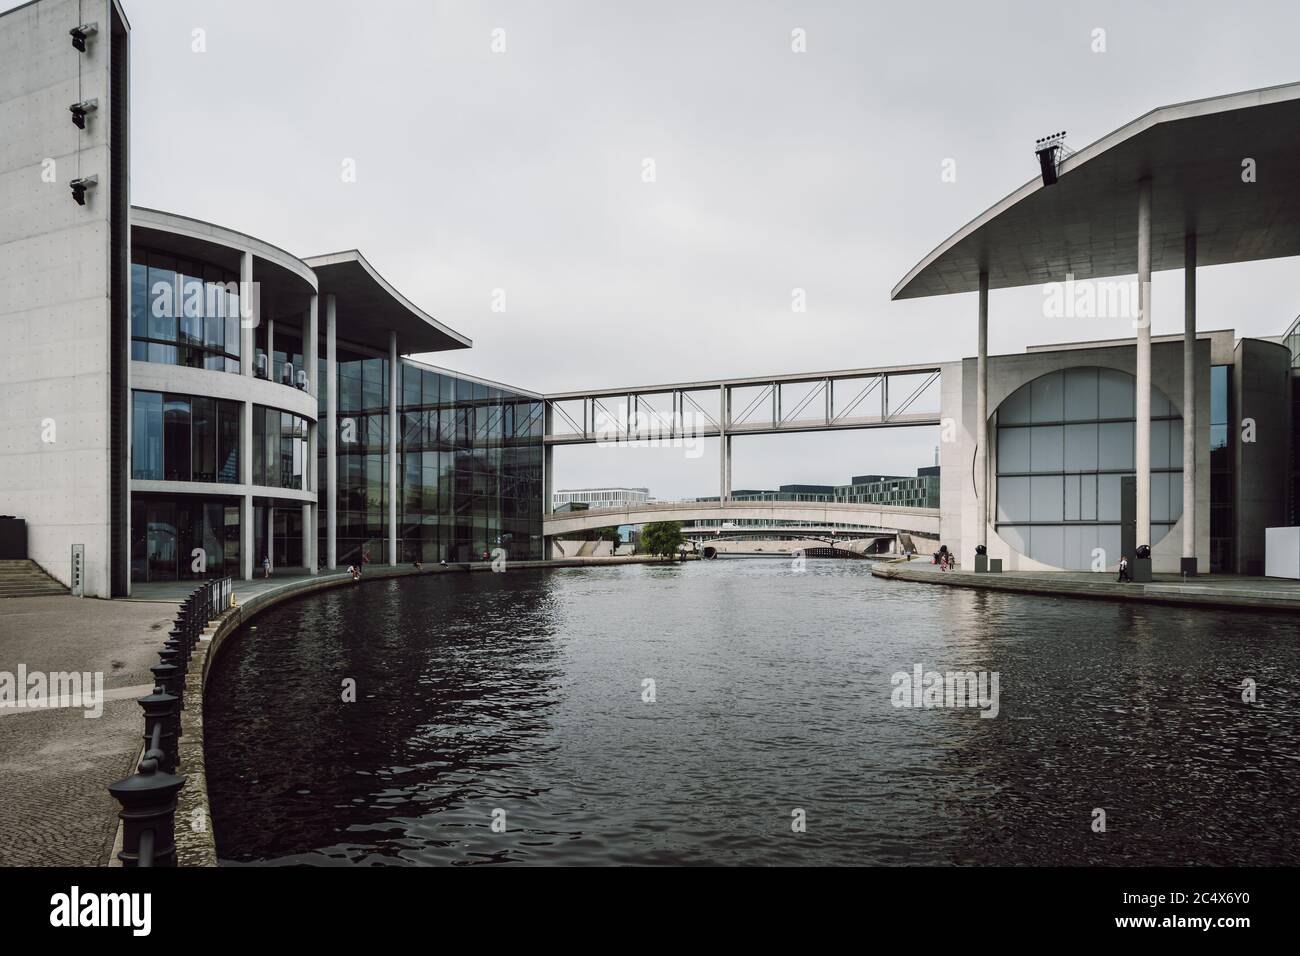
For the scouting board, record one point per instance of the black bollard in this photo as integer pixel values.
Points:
(170, 678)
(148, 801)
(162, 718)
(172, 655)
(180, 638)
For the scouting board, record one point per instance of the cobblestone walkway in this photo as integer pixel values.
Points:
(56, 763)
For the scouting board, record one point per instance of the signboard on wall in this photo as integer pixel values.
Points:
(78, 570)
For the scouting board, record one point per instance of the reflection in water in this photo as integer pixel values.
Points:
(522, 692)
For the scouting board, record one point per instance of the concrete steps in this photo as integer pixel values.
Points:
(26, 579)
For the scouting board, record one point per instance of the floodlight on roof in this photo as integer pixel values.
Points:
(1051, 151)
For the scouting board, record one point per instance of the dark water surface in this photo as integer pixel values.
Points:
(523, 691)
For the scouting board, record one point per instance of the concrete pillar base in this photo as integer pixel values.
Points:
(1141, 570)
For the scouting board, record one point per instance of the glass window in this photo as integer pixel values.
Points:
(1109, 497)
(1114, 394)
(1013, 449)
(1087, 497)
(147, 437)
(1046, 498)
(1080, 394)
(139, 300)
(204, 439)
(162, 301)
(1047, 394)
(228, 416)
(1115, 445)
(1046, 448)
(176, 438)
(1081, 447)
(182, 313)
(1219, 395)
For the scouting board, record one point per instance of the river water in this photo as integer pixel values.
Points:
(504, 718)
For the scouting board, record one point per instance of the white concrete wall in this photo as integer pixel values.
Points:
(54, 286)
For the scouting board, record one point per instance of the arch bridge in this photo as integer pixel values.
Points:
(888, 519)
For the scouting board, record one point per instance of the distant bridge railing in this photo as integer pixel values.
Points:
(888, 518)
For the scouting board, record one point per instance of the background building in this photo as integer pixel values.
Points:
(600, 497)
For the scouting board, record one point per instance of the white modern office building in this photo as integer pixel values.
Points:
(1065, 457)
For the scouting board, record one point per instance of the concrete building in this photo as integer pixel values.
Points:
(1062, 440)
(921, 491)
(600, 497)
(185, 400)
(1067, 457)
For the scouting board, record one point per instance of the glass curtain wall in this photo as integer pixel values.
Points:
(183, 538)
(183, 312)
(279, 449)
(1064, 442)
(469, 465)
(184, 438)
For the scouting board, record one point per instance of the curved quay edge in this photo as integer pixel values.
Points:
(1103, 589)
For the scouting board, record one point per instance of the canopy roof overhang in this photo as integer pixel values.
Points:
(368, 308)
(1086, 224)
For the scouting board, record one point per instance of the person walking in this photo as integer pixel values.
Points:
(266, 566)
(1123, 570)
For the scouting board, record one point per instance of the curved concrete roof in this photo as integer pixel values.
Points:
(1086, 224)
(368, 305)
(373, 307)
(208, 232)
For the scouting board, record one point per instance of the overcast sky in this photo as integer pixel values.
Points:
(522, 171)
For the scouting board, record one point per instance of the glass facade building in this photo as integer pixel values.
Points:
(238, 397)
(1064, 442)
(469, 464)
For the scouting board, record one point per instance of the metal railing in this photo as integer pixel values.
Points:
(148, 797)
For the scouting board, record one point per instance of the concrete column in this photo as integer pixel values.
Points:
(331, 437)
(311, 335)
(1189, 405)
(1142, 430)
(247, 323)
(270, 351)
(724, 445)
(548, 477)
(250, 316)
(308, 539)
(394, 426)
(270, 538)
(982, 416)
(246, 538)
(548, 460)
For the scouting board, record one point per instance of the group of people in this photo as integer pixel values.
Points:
(944, 558)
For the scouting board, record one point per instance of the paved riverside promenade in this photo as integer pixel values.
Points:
(1206, 590)
(56, 764)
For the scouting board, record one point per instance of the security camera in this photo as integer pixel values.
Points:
(79, 187)
(79, 111)
(80, 34)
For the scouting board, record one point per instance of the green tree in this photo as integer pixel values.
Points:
(606, 534)
(663, 538)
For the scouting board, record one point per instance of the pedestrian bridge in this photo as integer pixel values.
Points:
(924, 521)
